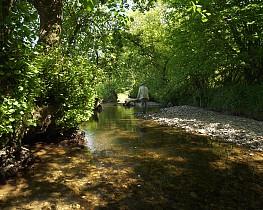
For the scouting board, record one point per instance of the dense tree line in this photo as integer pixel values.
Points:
(205, 54)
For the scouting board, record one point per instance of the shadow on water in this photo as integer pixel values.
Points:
(134, 164)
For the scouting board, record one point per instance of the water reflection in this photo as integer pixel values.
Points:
(114, 126)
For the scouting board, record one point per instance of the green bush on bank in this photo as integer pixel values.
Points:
(63, 85)
(68, 88)
(239, 99)
(20, 85)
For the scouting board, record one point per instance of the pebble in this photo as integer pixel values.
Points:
(234, 129)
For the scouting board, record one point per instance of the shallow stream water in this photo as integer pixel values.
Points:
(116, 128)
(130, 163)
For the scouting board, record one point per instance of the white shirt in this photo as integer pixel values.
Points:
(143, 92)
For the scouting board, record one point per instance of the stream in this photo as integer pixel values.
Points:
(131, 163)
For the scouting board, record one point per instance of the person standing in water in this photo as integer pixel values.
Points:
(143, 96)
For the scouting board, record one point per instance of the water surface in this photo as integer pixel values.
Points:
(116, 127)
(130, 163)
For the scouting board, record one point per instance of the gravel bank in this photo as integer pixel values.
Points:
(238, 130)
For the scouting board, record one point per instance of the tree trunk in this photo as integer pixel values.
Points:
(5, 8)
(50, 12)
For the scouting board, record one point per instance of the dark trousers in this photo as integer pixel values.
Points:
(144, 104)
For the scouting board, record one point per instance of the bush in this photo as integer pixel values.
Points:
(242, 99)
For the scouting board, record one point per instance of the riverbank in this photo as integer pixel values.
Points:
(16, 160)
(233, 129)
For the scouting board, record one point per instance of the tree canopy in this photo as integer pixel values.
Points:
(205, 53)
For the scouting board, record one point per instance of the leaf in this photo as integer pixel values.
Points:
(12, 119)
(9, 128)
(15, 103)
(204, 20)
(88, 4)
(10, 111)
(30, 122)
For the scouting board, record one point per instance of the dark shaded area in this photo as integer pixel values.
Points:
(17, 159)
(175, 173)
(13, 161)
(154, 167)
(185, 173)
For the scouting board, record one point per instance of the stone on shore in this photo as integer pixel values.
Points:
(238, 130)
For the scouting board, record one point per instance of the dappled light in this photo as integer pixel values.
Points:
(143, 166)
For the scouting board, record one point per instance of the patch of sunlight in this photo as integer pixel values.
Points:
(122, 97)
(41, 152)
(219, 164)
(126, 134)
(11, 190)
(154, 155)
(179, 159)
(177, 171)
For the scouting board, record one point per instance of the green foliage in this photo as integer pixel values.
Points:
(222, 52)
(19, 81)
(199, 52)
(240, 98)
(68, 87)
(61, 80)
(107, 91)
(19, 87)
(32, 79)
(145, 56)
(64, 84)
(89, 4)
